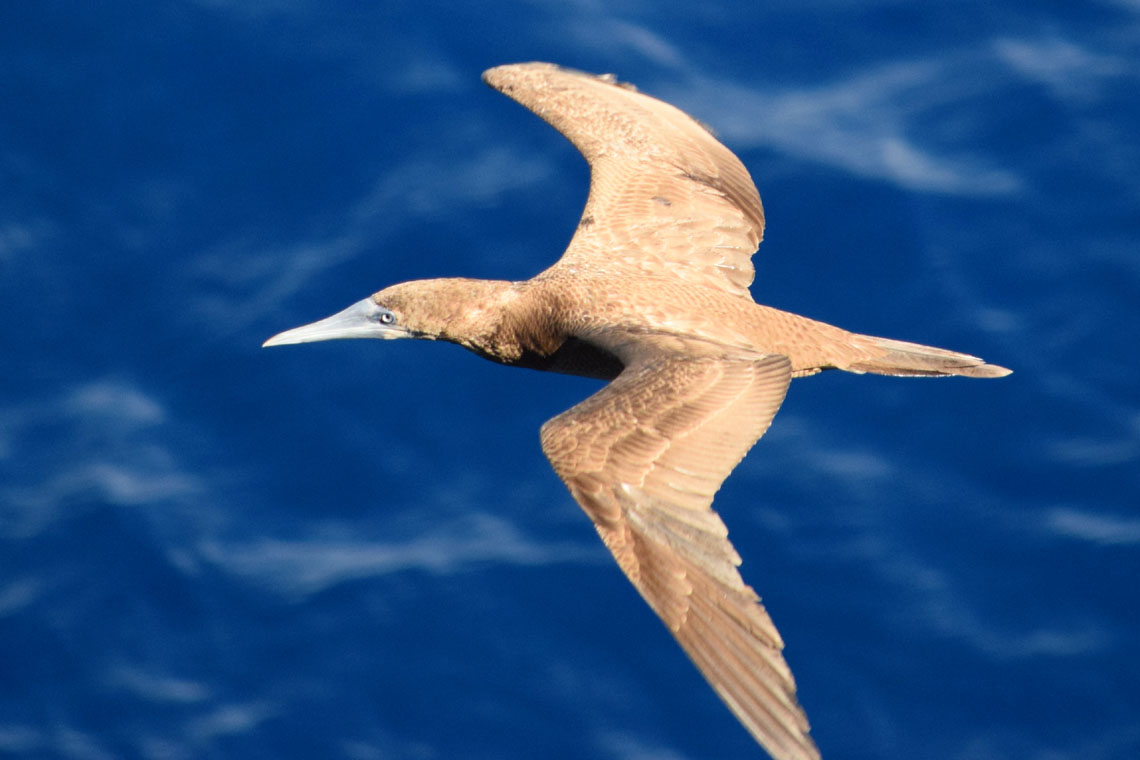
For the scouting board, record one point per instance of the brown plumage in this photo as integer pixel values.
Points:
(652, 293)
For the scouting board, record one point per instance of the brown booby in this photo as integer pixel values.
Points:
(652, 295)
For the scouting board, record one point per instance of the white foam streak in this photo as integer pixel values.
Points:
(254, 278)
(300, 567)
(873, 124)
(94, 441)
(229, 720)
(1070, 71)
(157, 687)
(1106, 530)
(20, 237)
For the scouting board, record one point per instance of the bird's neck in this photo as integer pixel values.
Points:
(499, 320)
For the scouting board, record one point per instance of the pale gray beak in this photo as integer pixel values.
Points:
(361, 320)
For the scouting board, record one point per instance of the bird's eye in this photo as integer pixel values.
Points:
(386, 317)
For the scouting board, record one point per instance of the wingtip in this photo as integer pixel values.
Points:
(500, 77)
(492, 75)
(988, 370)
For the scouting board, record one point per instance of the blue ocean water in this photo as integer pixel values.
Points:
(357, 550)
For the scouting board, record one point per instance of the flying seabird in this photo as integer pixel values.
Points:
(652, 295)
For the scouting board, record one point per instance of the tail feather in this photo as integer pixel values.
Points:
(884, 356)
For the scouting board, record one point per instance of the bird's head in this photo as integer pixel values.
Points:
(447, 309)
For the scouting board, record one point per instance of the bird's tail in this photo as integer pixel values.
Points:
(884, 356)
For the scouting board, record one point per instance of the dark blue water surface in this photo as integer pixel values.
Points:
(357, 550)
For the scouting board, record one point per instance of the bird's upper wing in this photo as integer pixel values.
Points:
(643, 457)
(666, 198)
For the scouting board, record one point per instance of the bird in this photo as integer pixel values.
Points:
(652, 295)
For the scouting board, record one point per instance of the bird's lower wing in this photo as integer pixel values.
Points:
(644, 457)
